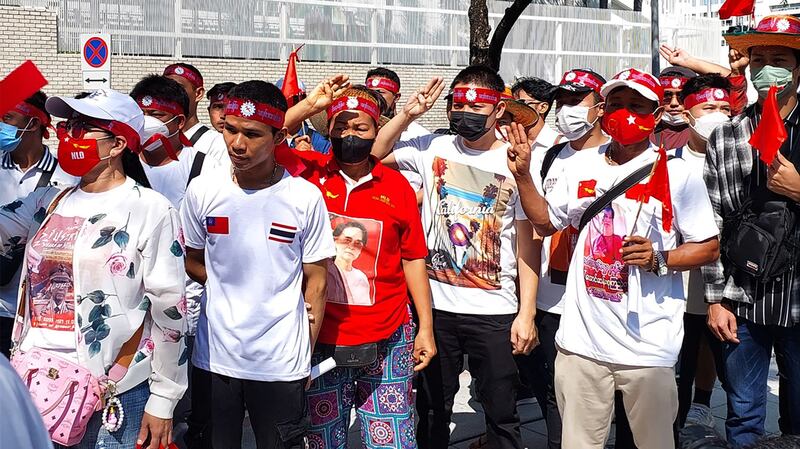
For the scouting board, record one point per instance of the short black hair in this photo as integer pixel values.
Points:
(337, 231)
(159, 86)
(382, 105)
(261, 92)
(37, 100)
(537, 88)
(480, 75)
(702, 82)
(220, 88)
(682, 72)
(383, 72)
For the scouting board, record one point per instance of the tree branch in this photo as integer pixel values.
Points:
(479, 30)
(503, 28)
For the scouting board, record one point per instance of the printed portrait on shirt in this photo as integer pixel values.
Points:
(51, 276)
(351, 276)
(464, 241)
(605, 274)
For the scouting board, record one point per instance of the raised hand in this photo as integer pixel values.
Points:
(519, 153)
(675, 56)
(738, 62)
(326, 91)
(422, 100)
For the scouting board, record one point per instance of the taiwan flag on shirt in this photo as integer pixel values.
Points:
(217, 225)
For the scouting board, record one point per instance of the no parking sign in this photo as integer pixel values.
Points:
(96, 61)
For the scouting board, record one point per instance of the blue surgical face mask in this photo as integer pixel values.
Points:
(10, 137)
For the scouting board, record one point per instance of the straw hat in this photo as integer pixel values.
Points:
(521, 112)
(320, 120)
(778, 30)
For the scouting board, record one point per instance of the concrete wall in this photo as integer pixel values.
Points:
(31, 33)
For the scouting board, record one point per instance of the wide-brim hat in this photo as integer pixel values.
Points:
(522, 113)
(778, 30)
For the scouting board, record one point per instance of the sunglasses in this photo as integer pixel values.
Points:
(349, 241)
(77, 129)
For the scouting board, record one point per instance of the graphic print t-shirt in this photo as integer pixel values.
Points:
(612, 312)
(468, 213)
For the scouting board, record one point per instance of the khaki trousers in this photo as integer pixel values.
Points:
(585, 394)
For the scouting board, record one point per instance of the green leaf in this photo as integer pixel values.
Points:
(39, 215)
(96, 218)
(184, 357)
(121, 238)
(94, 349)
(107, 231)
(101, 241)
(102, 331)
(97, 323)
(106, 312)
(91, 336)
(96, 296)
(96, 313)
(80, 321)
(173, 313)
(145, 304)
(131, 274)
(138, 357)
(176, 249)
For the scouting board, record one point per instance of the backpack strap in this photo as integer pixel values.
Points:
(44, 180)
(197, 135)
(614, 193)
(197, 166)
(550, 157)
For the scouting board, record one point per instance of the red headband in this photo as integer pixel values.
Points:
(354, 104)
(30, 110)
(193, 77)
(673, 82)
(582, 79)
(119, 129)
(383, 83)
(160, 104)
(705, 96)
(475, 95)
(219, 97)
(253, 110)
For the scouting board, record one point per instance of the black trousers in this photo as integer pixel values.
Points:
(277, 412)
(695, 331)
(6, 325)
(486, 340)
(538, 371)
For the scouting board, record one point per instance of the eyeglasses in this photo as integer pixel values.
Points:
(77, 129)
(349, 241)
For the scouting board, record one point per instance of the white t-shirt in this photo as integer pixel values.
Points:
(693, 279)
(413, 131)
(170, 179)
(468, 213)
(545, 140)
(211, 143)
(50, 258)
(615, 313)
(253, 324)
(16, 184)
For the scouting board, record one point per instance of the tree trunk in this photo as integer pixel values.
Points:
(637, 5)
(503, 28)
(479, 30)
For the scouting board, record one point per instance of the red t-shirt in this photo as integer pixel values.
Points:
(376, 225)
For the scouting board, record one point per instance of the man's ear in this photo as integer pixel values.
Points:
(120, 144)
(688, 117)
(181, 122)
(501, 109)
(280, 136)
(542, 108)
(199, 94)
(658, 113)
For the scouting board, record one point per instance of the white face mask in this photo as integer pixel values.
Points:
(152, 127)
(672, 120)
(705, 124)
(573, 122)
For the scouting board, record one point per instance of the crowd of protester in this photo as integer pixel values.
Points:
(312, 253)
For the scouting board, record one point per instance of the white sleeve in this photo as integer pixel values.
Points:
(408, 154)
(694, 217)
(317, 238)
(558, 201)
(194, 229)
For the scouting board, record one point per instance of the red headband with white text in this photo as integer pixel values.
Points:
(345, 103)
(160, 104)
(383, 83)
(253, 110)
(193, 77)
(705, 96)
(475, 95)
(30, 110)
(673, 82)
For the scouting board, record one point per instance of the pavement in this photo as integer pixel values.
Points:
(468, 421)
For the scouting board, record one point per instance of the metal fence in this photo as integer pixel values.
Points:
(545, 41)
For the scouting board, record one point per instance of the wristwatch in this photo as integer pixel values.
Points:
(659, 264)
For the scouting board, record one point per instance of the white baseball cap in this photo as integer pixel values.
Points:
(644, 83)
(120, 110)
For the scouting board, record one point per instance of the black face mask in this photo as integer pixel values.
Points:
(351, 149)
(468, 125)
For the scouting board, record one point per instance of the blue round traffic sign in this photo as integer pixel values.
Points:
(95, 52)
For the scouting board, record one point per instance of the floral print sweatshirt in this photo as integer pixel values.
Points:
(127, 272)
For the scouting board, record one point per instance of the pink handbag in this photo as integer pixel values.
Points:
(66, 395)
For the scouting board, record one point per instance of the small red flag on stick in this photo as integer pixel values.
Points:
(658, 188)
(20, 84)
(771, 132)
(291, 85)
(736, 8)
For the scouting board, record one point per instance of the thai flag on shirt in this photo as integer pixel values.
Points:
(282, 233)
(217, 225)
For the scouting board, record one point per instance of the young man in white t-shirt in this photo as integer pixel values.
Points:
(479, 243)
(706, 105)
(578, 112)
(622, 324)
(205, 138)
(260, 240)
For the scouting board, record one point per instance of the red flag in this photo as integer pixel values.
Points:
(217, 225)
(658, 188)
(736, 8)
(20, 84)
(771, 132)
(291, 86)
